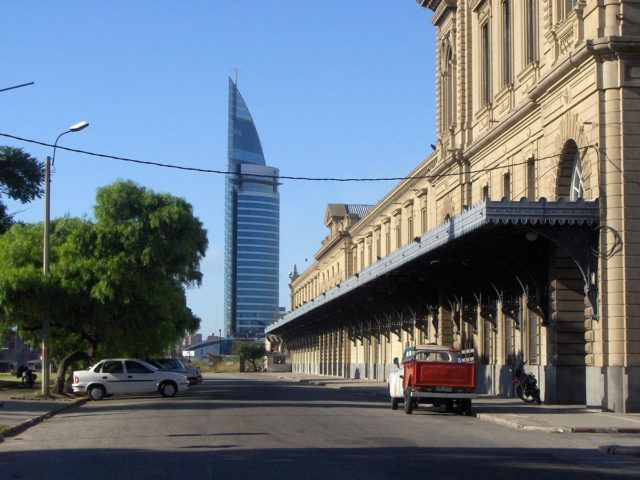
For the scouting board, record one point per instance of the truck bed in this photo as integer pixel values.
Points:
(426, 375)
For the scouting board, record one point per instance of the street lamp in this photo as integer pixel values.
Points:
(45, 259)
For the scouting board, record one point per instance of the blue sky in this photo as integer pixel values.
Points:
(337, 88)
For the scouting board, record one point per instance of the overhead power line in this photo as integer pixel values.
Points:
(279, 177)
(15, 86)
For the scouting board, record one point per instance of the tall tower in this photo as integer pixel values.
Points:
(252, 228)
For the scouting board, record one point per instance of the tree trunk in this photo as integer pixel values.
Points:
(73, 357)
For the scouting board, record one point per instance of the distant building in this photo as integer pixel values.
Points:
(192, 339)
(252, 228)
(14, 352)
(213, 347)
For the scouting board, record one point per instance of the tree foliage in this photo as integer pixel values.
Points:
(116, 285)
(21, 179)
(250, 351)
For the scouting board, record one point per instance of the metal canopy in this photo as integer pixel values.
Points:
(478, 253)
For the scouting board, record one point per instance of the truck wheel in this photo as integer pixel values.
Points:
(394, 403)
(408, 401)
(466, 407)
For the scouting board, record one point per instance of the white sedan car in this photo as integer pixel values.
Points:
(128, 375)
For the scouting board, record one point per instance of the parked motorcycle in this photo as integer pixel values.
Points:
(27, 376)
(526, 386)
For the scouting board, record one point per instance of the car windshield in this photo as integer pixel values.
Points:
(155, 364)
(434, 356)
(171, 363)
(409, 353)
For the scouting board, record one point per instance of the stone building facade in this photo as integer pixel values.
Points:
(518, 237)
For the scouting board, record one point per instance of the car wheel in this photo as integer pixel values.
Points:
(394, 403)
(96, 392)
(408, 401)
(168, 389)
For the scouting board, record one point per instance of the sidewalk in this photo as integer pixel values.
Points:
(509, 412)
(20, 408)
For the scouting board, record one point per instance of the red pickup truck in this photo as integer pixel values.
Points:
(433, 374)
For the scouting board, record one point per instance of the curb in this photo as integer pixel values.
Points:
(605, 430)
(487, 417)
(10, 432)
(619, 450)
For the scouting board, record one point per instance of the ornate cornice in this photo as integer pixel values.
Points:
(330, 243)
(431, 4)
(439, 7)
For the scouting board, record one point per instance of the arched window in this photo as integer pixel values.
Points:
(448, 86)
(577, 183)
(507, 78)
(485, 64)
(531, 29)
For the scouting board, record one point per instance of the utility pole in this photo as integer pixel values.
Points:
(45, 256)
(45, 271)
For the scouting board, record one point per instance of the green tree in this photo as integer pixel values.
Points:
(21, 179)
(250, 351)
(117, 284)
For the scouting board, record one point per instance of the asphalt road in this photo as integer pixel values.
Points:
(247, 427)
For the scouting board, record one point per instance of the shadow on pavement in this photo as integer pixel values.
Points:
(229, 462)
(234, 394)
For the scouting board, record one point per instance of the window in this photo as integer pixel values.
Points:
(487, 335)
(112, 367)
(135, 367)
(485, 192)
(509, 337)
(423, 219)
(506, 43)
(447, 87)
(398, 235)
(410, 228)
(378, 247)
(485, 64)
(387, 239)
(565, 7)
(531, 31)
(506, 186)
(533, 338)
(577, 183)
(531, 179)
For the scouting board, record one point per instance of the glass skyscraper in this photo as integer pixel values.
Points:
(252, 228)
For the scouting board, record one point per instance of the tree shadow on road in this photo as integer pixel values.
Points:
(227, 459)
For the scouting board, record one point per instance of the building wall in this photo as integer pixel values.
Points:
(511, 127)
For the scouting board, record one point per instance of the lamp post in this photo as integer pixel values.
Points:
(45, 257)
